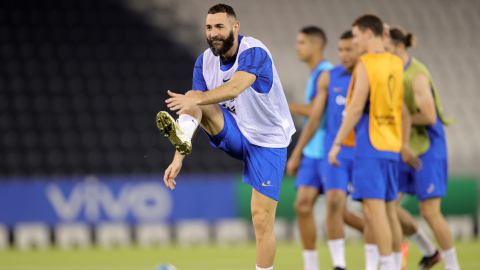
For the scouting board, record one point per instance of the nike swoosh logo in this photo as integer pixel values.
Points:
(265, 185)
(226, 80)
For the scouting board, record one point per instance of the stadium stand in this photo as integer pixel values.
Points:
(446, 44)
(81, 83)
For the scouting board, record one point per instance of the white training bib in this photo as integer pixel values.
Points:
(263, 118)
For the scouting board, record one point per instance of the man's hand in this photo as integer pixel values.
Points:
(333, 154)
(293, 164)
(409, 157)
(173, 170)
(181, 102)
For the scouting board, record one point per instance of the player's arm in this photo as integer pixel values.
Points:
(408, 156)
(300, 109)
(314, 120)
(354, 111)
(240, 81)
(422, 92)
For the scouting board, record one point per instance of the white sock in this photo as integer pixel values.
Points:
(310, 260)
(337, 252)
(451, 260)
(188, 123)
(258, 268)
(371, 257)
(424, 243)
(387, 263)
(397, 256)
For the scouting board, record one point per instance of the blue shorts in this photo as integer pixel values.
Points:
(263, 167)
(309, 173)
(337, 177)
(375, 179)
(429, 182)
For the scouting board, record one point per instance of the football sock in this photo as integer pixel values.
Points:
(258, 268)
(387, 263)
(188, 123)
(397, 256)
(426, 246)
(337, 252)
(310, 260)
(451, 260)
(371, 257)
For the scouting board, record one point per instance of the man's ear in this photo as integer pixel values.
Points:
(236, 27)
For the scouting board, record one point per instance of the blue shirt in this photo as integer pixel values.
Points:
(254, 60)
(438, 142)
(314, 148)
(336, 100)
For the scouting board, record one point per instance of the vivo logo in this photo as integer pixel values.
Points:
(145, 201)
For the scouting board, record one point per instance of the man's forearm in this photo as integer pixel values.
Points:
(420, 119)
(406, 125)
(220, 94)
(306, 136)
(300, 109)
(348, 124)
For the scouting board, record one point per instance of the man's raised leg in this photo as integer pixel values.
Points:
(180, 132)
(263, 215)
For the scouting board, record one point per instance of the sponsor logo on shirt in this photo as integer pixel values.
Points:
(431, 188)
(340, 100)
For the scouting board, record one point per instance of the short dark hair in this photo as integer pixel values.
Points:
(398, 35)
(222, 8)
(347, 35)
(314, 31)
(370, 21)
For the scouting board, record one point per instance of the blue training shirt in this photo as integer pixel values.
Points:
(254, 60)
(336, 100)
(314, 149)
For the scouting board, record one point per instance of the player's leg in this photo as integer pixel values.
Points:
(396, 228)
(431, 186)
(417, 235)
(372, 257)
(263, 216)
(377, 221)
(430, 211)
(353, 220)
(304, 204)
(336, 204)
(375, 212)
(180, 132)
(409, 226)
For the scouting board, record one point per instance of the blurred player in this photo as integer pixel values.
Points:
(331, 95)
(310, 44)
(428, 141)
(239, 102)
(376, 111)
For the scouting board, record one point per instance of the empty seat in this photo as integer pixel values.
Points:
(229, 231)
(72, 235)
(192, 232)
(149, 235)
(30, 235)
(3, 237)
(108, 235)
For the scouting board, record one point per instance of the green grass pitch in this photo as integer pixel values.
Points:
(202, 258)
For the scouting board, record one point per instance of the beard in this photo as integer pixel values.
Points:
(227, 44)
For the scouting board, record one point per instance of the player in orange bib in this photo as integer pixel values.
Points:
(381, 121)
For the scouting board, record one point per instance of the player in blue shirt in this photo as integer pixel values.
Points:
(326, 90)
(238, 101)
